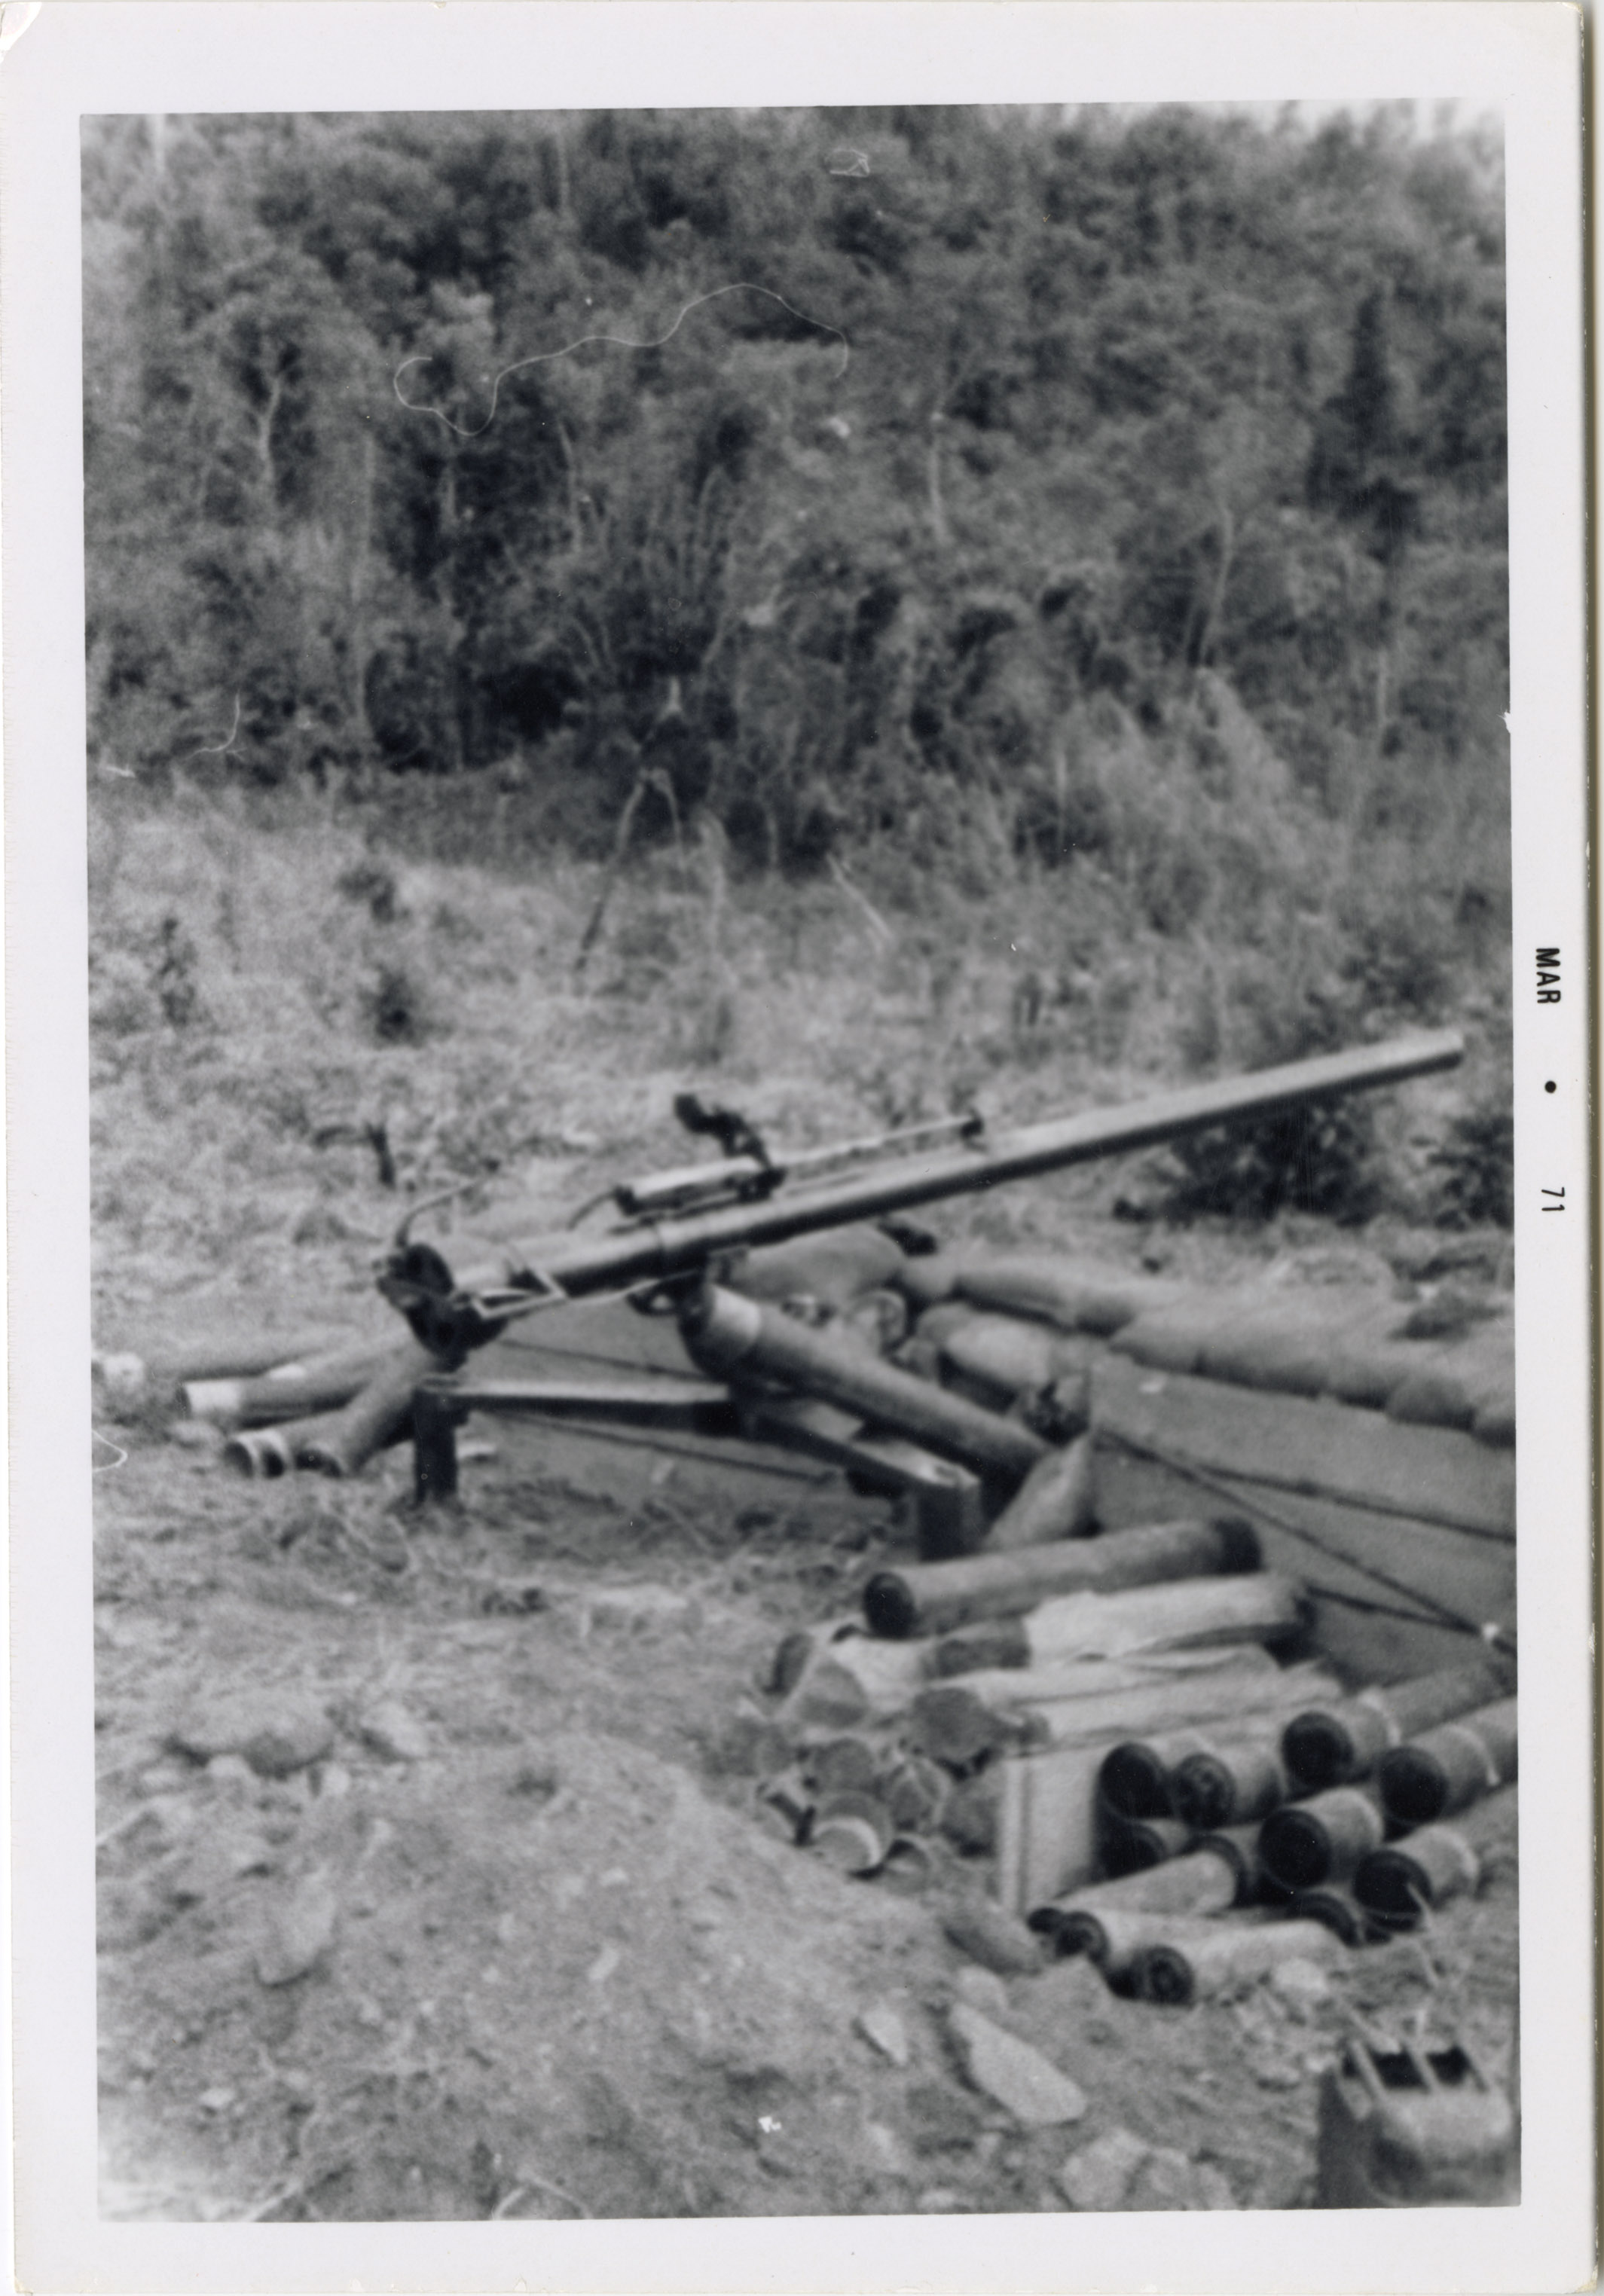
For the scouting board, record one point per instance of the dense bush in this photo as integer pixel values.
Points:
(1076, 409)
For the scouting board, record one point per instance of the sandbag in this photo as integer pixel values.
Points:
(1285, 1349)
(1077, 1296)
(1494, 1420)
(928, 1278)
(1366, 1362)
(1170, 1339)
(1011, 1355)
(1435, 1396)
(835, 1267)
(938, 1324)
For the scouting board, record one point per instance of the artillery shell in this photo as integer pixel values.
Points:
(1329, 1745)
(1434, 1776)
(1182, 1969)
(1304, 1844)
(933, 1598)
(1229, 1784)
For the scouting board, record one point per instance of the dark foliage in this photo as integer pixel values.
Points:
(1319, 1160)
(1126, 399)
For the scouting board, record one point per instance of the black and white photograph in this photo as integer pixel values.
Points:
(807, 1015)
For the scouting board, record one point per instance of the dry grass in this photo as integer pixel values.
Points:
(272, 995)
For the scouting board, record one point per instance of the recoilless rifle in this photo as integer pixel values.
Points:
(674, 1234)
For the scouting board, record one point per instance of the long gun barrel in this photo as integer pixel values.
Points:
(450, 1314)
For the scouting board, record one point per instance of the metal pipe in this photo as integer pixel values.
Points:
(342, 1443)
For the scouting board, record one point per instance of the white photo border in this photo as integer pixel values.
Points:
(1521, 59)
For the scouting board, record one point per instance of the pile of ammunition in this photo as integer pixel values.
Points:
(1131, 1724)
(1130, 1728)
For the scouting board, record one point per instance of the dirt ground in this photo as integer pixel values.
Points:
(550, 1963)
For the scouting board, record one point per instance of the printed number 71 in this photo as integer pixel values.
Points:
(1558, 1207)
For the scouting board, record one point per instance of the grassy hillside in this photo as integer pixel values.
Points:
(273, 989)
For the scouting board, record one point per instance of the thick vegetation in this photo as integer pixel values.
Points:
(1097, 519)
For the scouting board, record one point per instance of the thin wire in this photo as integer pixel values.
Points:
(1445, 1616)
(620, 342)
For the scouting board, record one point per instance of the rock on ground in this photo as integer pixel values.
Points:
(300, 1929)
(997, 1939)
(983, 1989)
(1020, 2078)
(276, 1736)
(1121, 2170)
(393, 1733)
(1098, 2176)
(881, 2025)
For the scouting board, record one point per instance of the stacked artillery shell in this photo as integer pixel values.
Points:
(1239, 1846)
(1060, 1293)
(958, 1731)
(128, 1381)
(836, 1267)
(293, 1390)
(1306, 1844)
(851, 1832)
(927, 1280)
(1259, 1606)
(1120, 1940)
(1059, 1710)
(1450, 1767)
(1329, 1745)
(1005, 1356)
(1134, 1781)
(1180, 1969)
(846, 1684)
(1204, 1881)
(1136, 1845)
(1142, 1778)
(932, 1598)
(1232, 1781)
(1337, 1909)
(844, 1765)
(1399, 1882)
